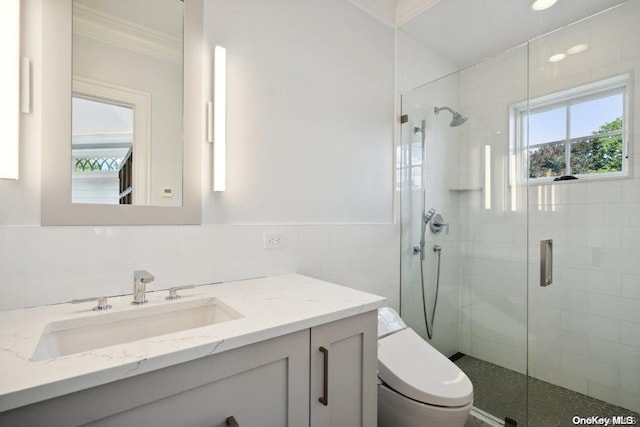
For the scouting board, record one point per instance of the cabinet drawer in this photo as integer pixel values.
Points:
(256, 397)
(261, 385)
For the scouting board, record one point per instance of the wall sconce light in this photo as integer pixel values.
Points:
(219, 119)
(9, 88)
(487, 177)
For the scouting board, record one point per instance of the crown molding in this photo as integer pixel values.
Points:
(106, 28)
(406, 10)
(382, 10)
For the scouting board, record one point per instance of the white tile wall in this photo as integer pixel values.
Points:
(584, 330)
(48, 265)
(596, 292)
(440, 161)
(493, 244)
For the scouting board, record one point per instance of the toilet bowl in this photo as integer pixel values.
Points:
(417, 385)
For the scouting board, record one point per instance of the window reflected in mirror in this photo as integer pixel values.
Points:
(101, 151)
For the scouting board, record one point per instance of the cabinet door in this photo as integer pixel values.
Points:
(349, 351)
(261, 385)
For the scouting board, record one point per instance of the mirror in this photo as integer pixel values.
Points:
(126, 137)
(114, 101)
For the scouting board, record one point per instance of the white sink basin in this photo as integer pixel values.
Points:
(99, 330)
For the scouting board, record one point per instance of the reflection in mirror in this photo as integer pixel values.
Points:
(101, 150)
(127, 102)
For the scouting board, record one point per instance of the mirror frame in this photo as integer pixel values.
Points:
(56, 74)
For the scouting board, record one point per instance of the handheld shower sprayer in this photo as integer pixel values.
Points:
(428, 215)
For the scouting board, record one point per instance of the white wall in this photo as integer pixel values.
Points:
(310, 135)
(310, 113)
(416, 64)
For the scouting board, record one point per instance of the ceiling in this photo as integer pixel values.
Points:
(466, 31)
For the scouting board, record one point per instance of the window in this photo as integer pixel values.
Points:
(580, 132)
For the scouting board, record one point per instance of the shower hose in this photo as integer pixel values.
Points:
(437, 249)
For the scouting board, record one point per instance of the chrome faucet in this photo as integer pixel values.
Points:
(140, 280)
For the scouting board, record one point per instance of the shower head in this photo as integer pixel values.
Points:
(457, 118)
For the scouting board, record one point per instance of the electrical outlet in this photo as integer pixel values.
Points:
(273, 240)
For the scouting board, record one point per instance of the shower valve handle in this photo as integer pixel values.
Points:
(437, 224)
(441, 225)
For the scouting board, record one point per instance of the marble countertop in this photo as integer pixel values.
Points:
(270, 307)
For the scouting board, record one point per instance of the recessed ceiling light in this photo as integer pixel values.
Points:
(557, 57)
(542, 4)
(577, 49)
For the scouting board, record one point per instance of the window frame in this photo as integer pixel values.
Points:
(519, 133)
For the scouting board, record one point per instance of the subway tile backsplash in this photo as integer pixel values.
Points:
(49, 265)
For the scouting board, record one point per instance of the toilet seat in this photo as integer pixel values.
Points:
(410, 366)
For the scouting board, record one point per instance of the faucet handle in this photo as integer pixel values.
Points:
(173, 292)
(103, 303)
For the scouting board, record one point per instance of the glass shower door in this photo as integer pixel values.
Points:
(461, 169)
(584, 321)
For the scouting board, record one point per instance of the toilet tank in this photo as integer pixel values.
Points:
(389, 321)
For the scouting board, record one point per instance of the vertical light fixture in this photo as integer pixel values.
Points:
(220, 119)
(513, 178)
(487, 177)
(9, 88)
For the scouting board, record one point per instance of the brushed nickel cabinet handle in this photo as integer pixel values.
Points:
(325, 388)
(231, 421)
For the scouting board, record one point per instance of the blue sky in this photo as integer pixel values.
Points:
(586, 117)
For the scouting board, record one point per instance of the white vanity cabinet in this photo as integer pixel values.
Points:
(271, 383)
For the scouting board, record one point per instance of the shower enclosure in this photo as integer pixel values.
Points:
(542, 343)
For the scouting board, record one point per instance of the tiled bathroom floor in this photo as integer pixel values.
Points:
(502, 393)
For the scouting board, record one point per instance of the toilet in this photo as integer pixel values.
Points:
(417, 385)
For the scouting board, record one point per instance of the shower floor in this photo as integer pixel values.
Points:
(502, 393)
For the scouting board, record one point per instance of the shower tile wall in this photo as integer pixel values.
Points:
(585, 328)
(47, 265)
(493, 233)
(441, 167)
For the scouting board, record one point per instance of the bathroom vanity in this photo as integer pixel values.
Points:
(280, 351)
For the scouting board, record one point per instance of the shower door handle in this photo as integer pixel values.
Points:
(546, 262)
